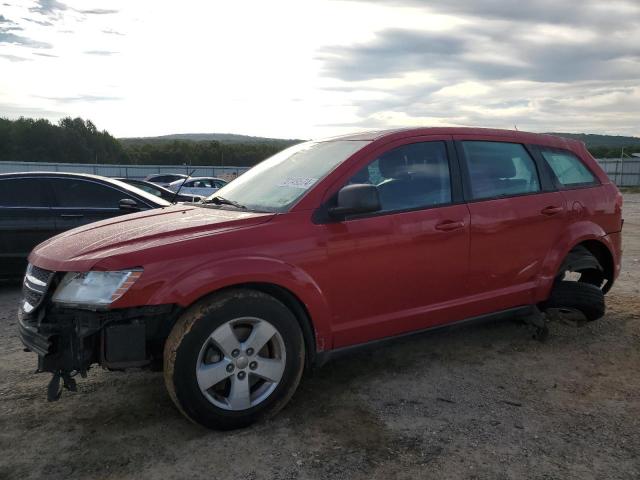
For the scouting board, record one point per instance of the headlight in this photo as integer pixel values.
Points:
(94, 288)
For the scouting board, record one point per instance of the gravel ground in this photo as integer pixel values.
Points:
(475, 402)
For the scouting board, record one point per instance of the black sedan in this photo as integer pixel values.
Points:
(37, 205)
(162, 192)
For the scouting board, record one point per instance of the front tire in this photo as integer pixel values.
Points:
(233, 359)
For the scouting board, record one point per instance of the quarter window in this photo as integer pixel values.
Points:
(409, 177)
(498, 169)
(568, 168)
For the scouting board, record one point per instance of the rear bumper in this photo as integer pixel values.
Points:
(615, 242)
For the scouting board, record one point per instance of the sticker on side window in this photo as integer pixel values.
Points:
(298, 182)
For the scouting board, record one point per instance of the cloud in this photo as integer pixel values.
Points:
(100, 52)
(50, 8)
(14, 58)
(391, 54)
(538, 64)
(7, 25)
(112, 32)
(11, 38)
(97, 11)
(395, 52)
(11, 110)
(591, 13)
(83, 98)
(45, 55)
(43, 23)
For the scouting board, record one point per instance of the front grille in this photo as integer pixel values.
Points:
(39, 273)
(35, 286)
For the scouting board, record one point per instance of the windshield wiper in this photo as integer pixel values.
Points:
(224, 201)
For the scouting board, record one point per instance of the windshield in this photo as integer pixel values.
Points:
(275, 184)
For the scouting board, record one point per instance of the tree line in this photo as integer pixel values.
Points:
(613, 152)
(74, 140)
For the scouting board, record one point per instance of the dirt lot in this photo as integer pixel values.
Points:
(476, 402)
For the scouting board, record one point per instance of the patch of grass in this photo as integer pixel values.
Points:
(630, 189)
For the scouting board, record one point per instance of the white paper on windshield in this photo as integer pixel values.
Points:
(298, 182)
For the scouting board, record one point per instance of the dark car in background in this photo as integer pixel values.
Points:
(164, 179)
(162, 192)
(35, 206)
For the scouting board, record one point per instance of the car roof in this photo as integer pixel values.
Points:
(516, 135)
(153, 175)
(202, 178)
(87, 176)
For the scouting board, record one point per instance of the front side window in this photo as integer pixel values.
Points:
(498, 169)
(23, 192)
(568, 168)
(75, 193)
(275, 184)
(410, 177)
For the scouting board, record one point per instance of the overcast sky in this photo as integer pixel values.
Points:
(309, 68)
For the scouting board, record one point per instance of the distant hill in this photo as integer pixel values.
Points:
(591, 140)
(246, 150)
(611, 141)
(228, 138)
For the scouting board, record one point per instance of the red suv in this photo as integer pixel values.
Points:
(324, 246)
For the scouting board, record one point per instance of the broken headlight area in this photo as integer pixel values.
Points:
(69, 341)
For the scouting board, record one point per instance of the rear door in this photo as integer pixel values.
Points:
(79, 201)
(25, 221)
(516, 217)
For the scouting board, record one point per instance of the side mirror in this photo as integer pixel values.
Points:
(128, 205)
(355, 199)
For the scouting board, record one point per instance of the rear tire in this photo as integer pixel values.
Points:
(212, 343)
(581, 296)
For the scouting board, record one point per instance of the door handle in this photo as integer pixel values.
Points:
(552, 210)
(449, 225)
(71, 215)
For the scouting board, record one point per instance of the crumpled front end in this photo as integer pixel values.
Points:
(68, 341)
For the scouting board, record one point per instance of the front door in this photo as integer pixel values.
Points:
(402, 268)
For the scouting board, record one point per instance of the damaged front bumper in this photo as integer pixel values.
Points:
(69, 341)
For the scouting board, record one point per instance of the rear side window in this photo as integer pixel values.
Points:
(75, 193)
(499, 169)
(568, 168)
(164, 178)
(23, 192)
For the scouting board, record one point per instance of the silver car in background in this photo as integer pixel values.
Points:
(198, 185)
(164, 179)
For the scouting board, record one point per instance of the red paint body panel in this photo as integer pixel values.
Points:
(366, 278)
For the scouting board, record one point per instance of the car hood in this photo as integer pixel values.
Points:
(81, 248)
